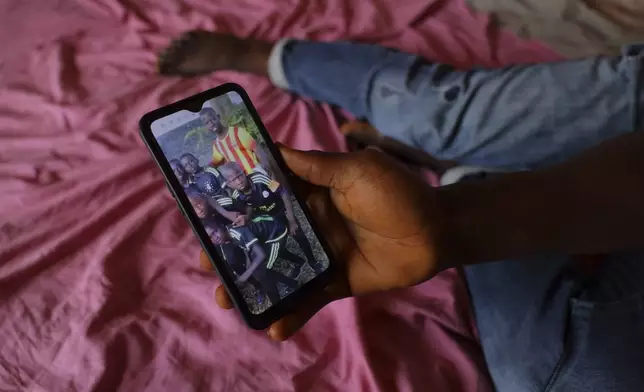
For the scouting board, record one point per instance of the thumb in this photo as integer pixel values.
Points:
(317, 167)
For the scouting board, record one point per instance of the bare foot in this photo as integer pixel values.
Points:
(201, 52)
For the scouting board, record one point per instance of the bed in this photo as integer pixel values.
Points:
(574, 28)
(100, 285)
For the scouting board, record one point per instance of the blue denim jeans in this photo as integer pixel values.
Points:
(543, 326)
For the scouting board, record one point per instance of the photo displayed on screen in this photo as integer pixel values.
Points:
(237, 190)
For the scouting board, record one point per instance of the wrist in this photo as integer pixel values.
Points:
(500, 218)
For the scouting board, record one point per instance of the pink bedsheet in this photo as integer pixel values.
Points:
(99, 281)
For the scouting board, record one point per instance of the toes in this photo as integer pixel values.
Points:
(170, 59)
(200, 52)
(166, 61)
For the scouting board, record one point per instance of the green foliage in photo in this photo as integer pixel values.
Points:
(240, 116)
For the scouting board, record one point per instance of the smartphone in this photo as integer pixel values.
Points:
(231, 184)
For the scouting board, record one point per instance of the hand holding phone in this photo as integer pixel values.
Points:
(374, 220)
(380, 220)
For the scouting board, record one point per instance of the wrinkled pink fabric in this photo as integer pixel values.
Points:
(99, 281)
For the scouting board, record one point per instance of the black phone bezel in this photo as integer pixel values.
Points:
(194, 103)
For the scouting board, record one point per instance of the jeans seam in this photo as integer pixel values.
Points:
(564, 356)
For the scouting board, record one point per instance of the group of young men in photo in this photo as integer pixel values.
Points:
(247, 214)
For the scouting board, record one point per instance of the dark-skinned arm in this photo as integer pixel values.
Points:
(243, 219)
(230, 215)
(594, 203)
(290, 216)
(258, 256)
(271, 167)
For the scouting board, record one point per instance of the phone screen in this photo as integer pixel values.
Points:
(242, 199)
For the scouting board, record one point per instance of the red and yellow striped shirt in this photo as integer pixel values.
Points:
(237, 146)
